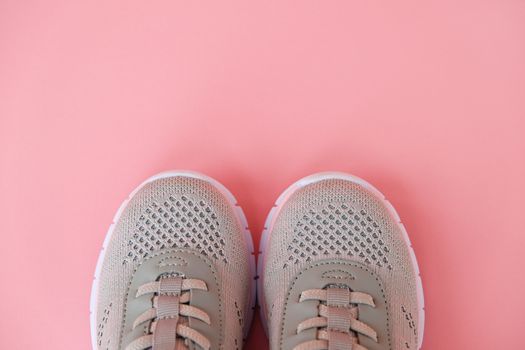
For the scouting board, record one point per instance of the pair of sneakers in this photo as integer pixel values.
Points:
(335, 270)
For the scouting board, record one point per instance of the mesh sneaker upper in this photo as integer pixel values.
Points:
(340, 219)
(168, 213)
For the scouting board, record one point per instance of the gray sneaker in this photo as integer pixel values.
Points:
(338, 270)
(176, 271)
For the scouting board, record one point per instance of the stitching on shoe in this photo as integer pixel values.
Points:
(212, 268)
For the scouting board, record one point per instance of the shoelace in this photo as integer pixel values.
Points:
(171, 295)
(338, 322)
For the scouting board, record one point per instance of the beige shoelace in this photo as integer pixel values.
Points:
(168, 331)
(338, 322)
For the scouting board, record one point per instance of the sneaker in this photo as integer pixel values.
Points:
(338, 270)
(176, 270)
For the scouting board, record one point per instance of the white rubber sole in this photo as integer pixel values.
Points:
(238, 211)
(270, 220)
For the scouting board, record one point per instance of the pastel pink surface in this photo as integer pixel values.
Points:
(425, 100)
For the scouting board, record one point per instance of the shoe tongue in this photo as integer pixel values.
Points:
(354, 309)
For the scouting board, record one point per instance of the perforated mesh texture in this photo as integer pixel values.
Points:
(101, 327)
(340, 219)
(409, 323)
(177, 222)
(338, 229)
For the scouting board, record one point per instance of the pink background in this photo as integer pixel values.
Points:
(425, 99)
